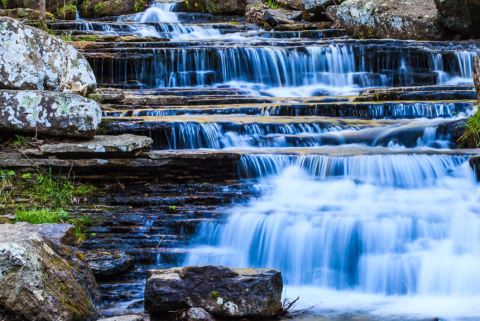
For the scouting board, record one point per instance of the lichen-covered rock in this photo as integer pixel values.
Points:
(105, 8)
(39, 280)
(400, 19)
(272, 17)
(319, 5)
(32, 59)
(476, 74)
(101, 145)
(49, 113)
(460, 16)
(223, 292)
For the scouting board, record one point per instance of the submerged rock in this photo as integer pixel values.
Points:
(49, 113)
(108, 264)
(119, 145)
(42, 280)
(402, 19)
(223, 292)
(32, 59)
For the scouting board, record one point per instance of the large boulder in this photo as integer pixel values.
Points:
(476, 74)
(108, 264)
(49, 113)
(400, 19)
(40, 279)
(32, 59)
(315, 6)
(272, 17)
(223, 292)
(460, 16)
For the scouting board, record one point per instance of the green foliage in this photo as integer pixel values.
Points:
(87, 38)
(5, 4)
(85, 6)
(471, 135)
(139, 5)
(20, 141)
(210, 6)
(68, 10)
(272, 4)
(41, 216)
(67, 37)
(98, 9)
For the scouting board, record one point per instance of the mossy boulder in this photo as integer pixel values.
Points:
(42, 279)
(24, 14)
(225, 7)
(105, 8)
(460, 16)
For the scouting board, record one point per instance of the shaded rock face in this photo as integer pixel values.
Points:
(228, 7)
(32, 59)
(50, 113)
(23, 13)
(51, 5)
(292, 4)
(400, 19)
(196, 314)
(40, 280)
(272, 17)
(460, 16)
(315, 6)
(104, 8)
(232, 293)
(476, 75)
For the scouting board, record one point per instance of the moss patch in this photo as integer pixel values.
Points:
(471, 135)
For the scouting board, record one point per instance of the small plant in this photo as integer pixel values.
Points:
(471, 135)
(67, 37)
(5, 4)
(272, 4)
(98, 9)
(67, 11)
(210, 6)
(20, 141)
(139, 5)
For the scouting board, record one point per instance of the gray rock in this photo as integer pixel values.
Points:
(402, 19)
(108, 95)
(196, 314)
(292, 4)
(108, 263)
(127, 144)
(132, 317)
(49, 113)
(223, 292)
(319, 5)
(460, 16)
(32, 59)
(42, 280)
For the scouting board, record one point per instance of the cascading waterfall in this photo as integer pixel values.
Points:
(380, 230)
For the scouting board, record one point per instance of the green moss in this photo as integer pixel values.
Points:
(67, 37)
(66, 11)
(86, 7)
(210, 6)
(87, 38)
(272, 4)
(471, 135)
(214, 295)
(4, 4)
(98, 9)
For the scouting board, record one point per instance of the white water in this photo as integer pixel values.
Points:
(355, 244)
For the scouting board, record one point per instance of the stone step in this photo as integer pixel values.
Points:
(418, 93)
(364, 110)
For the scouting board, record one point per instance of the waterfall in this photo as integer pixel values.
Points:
(357, 227)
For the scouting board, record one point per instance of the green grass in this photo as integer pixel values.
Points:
(272, 4)
(471, 135)
(42, 216)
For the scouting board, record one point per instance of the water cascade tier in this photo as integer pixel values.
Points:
(347, 176)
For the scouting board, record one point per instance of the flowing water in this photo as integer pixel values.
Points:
(365, 208)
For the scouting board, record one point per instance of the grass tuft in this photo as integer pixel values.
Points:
(42, 216)
(471, 135)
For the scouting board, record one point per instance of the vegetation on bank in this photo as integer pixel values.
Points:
(39, 197)
(471, 134)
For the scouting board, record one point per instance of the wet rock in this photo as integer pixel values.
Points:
(196, 314)
(105, 8)
(460, 16)
(108, 264)
(32, 59)
(132, 317)
(108, 95)
(223, 292)
(292, 4)
(476, 74)
(475, 165)
(228, 7)
(402, 19)
(48, 113)
(273, 17)
(40, 279)
(104, 145)
(23, 13)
